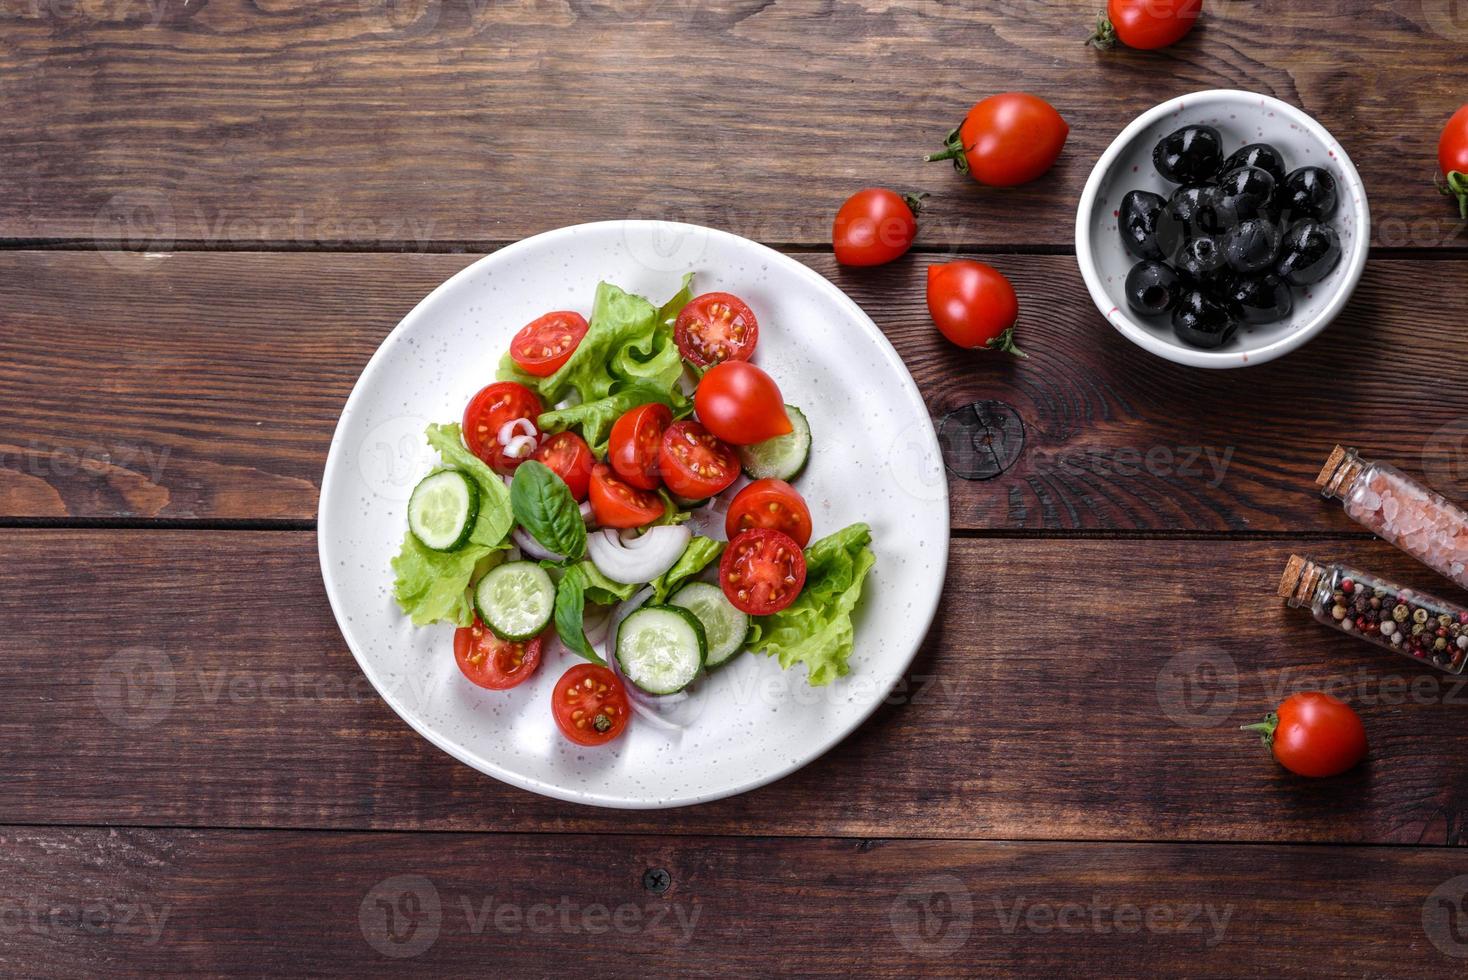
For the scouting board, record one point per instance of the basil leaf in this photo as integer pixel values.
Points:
(570, 615)
(543, 506)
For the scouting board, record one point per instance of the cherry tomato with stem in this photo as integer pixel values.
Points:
(762, 571)
(875, 226)
(694, 463)
(974, 305)
(486, 414)
(590, 705)
(1313, 734)
(634, 443)
(615, 504)
(493, 663)
(716, 327)
(545, 344)
(1145, 24)
(1005, 140)
(741, 404)
(1452, 157)
(570, 458)
(772, 504)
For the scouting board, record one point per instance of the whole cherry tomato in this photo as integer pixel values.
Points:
(741, 404)
(1005, 140)
(1452, 157)
(974, 305)
(1145, 24)
(875, 226)
(1313, 734)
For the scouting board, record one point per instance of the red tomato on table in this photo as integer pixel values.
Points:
(874, 226)
(1314, 734)
(1145, 24)
(974, 305)
(1006, 140)
(1452, 157)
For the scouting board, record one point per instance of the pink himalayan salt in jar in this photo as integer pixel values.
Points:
(1390, 504)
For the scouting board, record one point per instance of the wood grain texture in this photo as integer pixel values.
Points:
(1068, 690)
(261, 903)
(207, 386)
(320, 123)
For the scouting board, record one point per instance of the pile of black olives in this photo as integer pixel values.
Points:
(1231, 241)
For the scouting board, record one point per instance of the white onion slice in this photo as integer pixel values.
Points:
(532, 547)
(519, 447)
(586, 511)
(514, 427)
(641, 559)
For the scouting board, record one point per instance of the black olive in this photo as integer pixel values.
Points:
(1201, 257)
(1191, 211)
(1245, 192)
(1202, 321)
(1259, 299)
(1309, 252)
(1308, 192)
(1260, 155)
(1189, 155)
(1140, 212)
(1252, 246)
(1152, 288)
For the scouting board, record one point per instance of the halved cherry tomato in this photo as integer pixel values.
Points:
(636, 436)
(545, 344)
(615, 504)
(1314, 734)
(491, 662)
(874, 226)
(1145, 24)
(769, 503)
(570, 457)
(973, 305)
(1005, 140)
(590, 705)
(741, 404)
(496, 404)
(762, 571)
(1452, 157)
(716, 327)
(694, 463)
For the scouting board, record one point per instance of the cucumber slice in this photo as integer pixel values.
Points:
(515, 600)
(724, 626)
(780, 458)
(661, 648)
(442, 510)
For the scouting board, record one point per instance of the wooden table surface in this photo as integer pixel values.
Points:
(212, 212)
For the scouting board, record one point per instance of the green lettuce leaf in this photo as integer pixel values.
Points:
(816, 628)
(595, 418)
(432, 586)
(695, 558)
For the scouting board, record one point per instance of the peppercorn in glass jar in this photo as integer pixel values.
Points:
(1413, 623)
(1390, 504)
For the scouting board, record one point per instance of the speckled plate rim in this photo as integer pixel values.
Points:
(1118, 318)
(383, 355)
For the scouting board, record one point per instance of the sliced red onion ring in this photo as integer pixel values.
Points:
(532, 547)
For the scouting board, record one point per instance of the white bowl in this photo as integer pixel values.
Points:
(1241, 118)
(876, 459)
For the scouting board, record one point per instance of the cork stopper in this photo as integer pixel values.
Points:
(1341, 469)
(1298, 582)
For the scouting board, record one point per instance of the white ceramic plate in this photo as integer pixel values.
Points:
(1240, 118)
(875, 459)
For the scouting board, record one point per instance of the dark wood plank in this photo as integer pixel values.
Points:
(271, 903)
(208, 385)
(1068, 690)
(410, 121)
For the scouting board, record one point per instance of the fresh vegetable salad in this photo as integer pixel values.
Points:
(625, 494)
